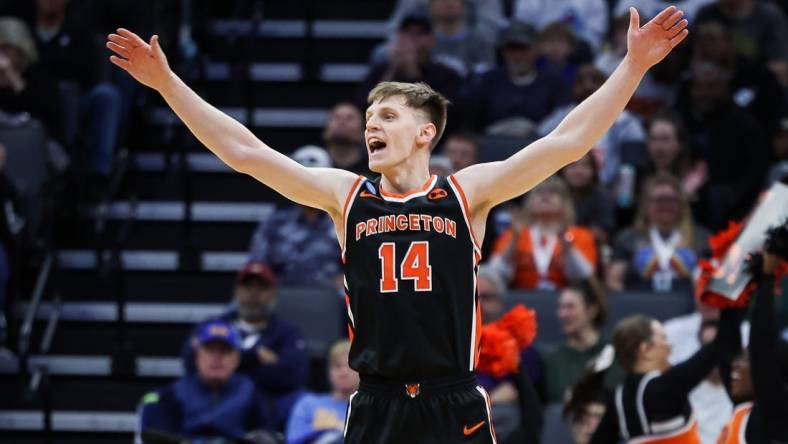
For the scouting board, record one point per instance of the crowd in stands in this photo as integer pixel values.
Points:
(705, 134)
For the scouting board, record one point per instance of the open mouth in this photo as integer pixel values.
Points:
(376, 145)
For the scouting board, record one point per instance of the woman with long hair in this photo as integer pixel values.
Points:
(651, 405)
(661, 249)
(543, 249)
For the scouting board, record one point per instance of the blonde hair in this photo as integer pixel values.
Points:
(558, 185)
(418, 96)
(685, 225)
(14, 32)
(338, 349)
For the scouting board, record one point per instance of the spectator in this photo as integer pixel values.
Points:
(753, 87)
(511, 99)
(273, 352)
(730, 141)
(457, 45)
(649, 8)
(559, 51)
(24, 86)
(660, 251)
(668, 153)
(505, 391)
(484, 17)
(759, 29)
(68, 54)
(582, 310)
(343, 137)
(409, 59)
(11, 224)
(320, 418)
(626, 134)
(779, 171)
(298, 242)
(586, 404)
(215, 401)
(587, 18)
(594, 207)
(462, 149)
(543, 249)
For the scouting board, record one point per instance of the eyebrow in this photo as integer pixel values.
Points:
(382, 108)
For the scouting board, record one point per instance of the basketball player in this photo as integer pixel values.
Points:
(410, 241)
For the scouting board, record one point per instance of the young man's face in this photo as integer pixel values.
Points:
(216, 362)
(393, 131)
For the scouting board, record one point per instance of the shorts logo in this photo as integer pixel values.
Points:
(437, 193)
(412, 390)
(467, 431)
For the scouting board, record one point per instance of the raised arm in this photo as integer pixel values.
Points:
(489, 184)
(321, 188)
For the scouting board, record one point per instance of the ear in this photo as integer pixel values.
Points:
(427, 134)
(643, 349)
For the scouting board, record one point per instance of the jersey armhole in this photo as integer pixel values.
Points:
(349, 199)
(466, 211)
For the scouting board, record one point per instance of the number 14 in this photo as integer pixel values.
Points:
(415, 266)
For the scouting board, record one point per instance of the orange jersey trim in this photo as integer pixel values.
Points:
(467, 211)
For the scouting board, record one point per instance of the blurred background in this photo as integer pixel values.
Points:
(146, 286)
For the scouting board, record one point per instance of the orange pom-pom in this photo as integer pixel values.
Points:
(721, 241)
(521, 323)
(499, 355)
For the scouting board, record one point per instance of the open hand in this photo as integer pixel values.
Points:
(145, 62)
(647, 45)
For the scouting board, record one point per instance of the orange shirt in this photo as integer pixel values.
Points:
(733, 432)
(526, 275)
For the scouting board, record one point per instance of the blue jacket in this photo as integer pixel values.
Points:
(189, 408)
(288, 374)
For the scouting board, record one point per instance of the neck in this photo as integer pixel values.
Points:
(257, 324)
(406, 177)
(583, 339)
(449, 28)
(665, 229)
(51, 20)
(344, 155)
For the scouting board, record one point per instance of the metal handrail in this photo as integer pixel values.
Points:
(38, 292)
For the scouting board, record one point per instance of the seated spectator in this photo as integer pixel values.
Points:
(69, 55)
(582, 310)
(24, 85)
(215, 401)
(298, 242)
(273, 352)
(484, 17)
(779, 170)
(661, 250)
(753, 87)
(456, 44)
(560, 51)
(594, 206)
(730, 141)
(543, 249)
(626, 133)
(409, 59)
(668, 153)
(320, 418)
(587, 18)
(504, 391)
(343, 137)
(759, 31)
(511, 99)
(462, 149)
(585, 406)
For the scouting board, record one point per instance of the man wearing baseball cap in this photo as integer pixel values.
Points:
(213, 402)
(271, 351)
(299, 243)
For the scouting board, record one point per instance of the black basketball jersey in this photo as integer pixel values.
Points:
(410, 265)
